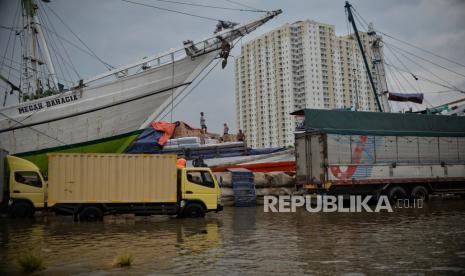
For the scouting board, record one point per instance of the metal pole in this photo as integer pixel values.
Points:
(172, 87)
(351, 19)
(48, 59)
(356, 90)
(378, 62)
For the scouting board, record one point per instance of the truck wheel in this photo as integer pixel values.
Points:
(22, 209)
(396, 193)
(91, 213)
(420, 192)
(194, 210)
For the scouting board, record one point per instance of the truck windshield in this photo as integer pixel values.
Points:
(201, 178)
(28, 178)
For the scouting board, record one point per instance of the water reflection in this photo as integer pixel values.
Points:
(243, 240)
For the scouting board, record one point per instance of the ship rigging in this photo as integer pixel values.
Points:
(106, 112)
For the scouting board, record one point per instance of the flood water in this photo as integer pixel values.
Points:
(245, 241)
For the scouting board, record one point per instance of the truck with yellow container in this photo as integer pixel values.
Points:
(89, 186)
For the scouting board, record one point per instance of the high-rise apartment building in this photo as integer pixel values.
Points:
(299, 65)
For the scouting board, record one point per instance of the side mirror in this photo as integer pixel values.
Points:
(221, 181)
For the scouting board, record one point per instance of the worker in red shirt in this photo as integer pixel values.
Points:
(181, 163)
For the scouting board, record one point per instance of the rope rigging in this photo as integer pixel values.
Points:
(14, 70)
(394, 76)
(421, 49)
(60, 55)
(9, 28)
(55, 51)
(425, 79)
(426, 69)
(106, 64)
(171, 10)
(410, 44)
(426, 60)
(244, 5)
(33, 129)
(361, 19)
(209, 6)
(61, 39)
(401, 55)
(405, 68)
(46, 22)
(190, 90)
(10, 67)
(43, 42)
(173, 106)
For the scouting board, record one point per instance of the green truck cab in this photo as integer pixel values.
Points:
(165, 189)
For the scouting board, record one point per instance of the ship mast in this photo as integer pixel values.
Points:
(34, 42)
(370, 77)
(378, 62)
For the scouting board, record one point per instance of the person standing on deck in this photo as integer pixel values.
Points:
(203, 125)
(226, 129)
(240, 136)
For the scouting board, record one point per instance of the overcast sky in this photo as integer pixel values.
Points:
(121, 33)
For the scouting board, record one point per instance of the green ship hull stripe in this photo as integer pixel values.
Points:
(114, 144)
(60, 148)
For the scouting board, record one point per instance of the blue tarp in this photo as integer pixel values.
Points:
(265, 150)
(146, 142)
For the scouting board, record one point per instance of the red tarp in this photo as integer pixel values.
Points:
(167, 128)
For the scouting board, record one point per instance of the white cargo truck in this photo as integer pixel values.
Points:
(400, 155)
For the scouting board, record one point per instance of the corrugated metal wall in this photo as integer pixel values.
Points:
(309, 157)
(342, 149)
(111, 178)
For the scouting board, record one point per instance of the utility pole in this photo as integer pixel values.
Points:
(370, 77)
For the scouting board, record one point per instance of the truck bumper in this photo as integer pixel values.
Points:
(219, 208)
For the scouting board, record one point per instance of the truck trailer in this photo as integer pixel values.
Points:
(399, 155)
(89, 186)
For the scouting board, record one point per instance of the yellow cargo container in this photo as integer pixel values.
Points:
(111, 178)
(89, 186)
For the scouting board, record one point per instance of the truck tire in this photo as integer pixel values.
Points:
(22, 209)
(194, 210)
(420, 192)
(396, 193)
(91, 213)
